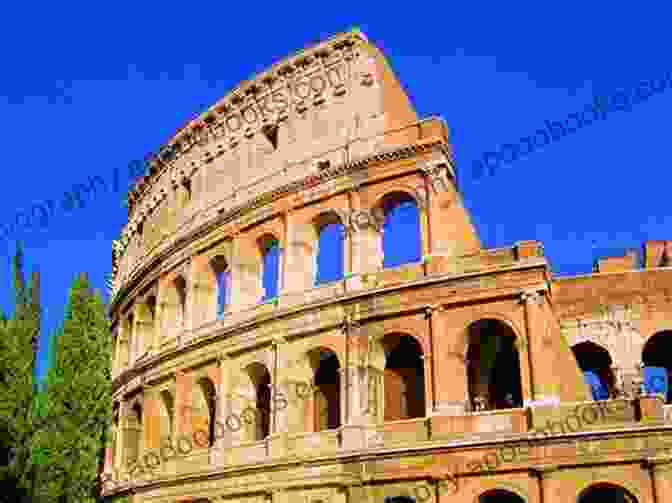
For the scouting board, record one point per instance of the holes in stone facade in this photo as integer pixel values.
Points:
(493, 367)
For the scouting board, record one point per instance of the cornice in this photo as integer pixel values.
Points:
(291, 65)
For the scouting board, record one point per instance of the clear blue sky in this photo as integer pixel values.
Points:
(87, 88)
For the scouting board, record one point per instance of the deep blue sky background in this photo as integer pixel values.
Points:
(87, 88)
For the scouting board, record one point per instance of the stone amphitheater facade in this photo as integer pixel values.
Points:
(447, 379)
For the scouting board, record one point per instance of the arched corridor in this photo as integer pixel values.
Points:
(500, 496)
(606, 493)
(327, 391)
(404, 378)
(595, 363)
(657, 360)
(493, 366)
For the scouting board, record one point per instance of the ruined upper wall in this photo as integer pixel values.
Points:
(301, 108)
(329, 103)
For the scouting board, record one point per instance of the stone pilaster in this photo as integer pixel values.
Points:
(660, 471)
(530, 348)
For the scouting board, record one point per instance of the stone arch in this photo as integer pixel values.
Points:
(499, 495)
(595, 361)
(204, 411)
(657, 364)
(403, 382)
(493, 365)
(268, 246)
(221, 279)
(324, 408)
(598, 492)
(329, 232)
(258, 424)
(400, 212)
(516, 329)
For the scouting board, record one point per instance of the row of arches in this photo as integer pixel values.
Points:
(400, 242)
(597, 493)
(596, 364)
(399, 393)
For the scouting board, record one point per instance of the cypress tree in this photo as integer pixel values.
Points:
(79, 396)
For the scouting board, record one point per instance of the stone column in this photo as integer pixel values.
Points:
(246, 288)
(280, 401)
(660, 470)
(356, 389)
(451, 392)
(432, 316)
(547, 487)
(297, 258)
(530, 347)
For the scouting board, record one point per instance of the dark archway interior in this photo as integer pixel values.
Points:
(658, 353)
(404, 379)
(493, 365)
(500, 496)
(327, 392)
(595, 362)
(606, 493)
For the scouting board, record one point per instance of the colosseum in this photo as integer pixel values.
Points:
(303, 312)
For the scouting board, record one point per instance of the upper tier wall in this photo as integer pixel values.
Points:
(333, 102)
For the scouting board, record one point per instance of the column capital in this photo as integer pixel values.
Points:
(658, 464)
(531, 296)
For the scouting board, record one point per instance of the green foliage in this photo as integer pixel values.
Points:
(19, 413)
(79, 395)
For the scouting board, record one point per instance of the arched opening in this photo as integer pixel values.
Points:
(402, 241)
(167, 420)
(595, 363)
(181, 290)
(270, 253)
(404, 378)
(399, 499)
(329, 254)
(261, 380)
(493, 366)
(222, 275)
(657, 360)
(204, 411)
(327, 390)
(500, 496)
(601, 493)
